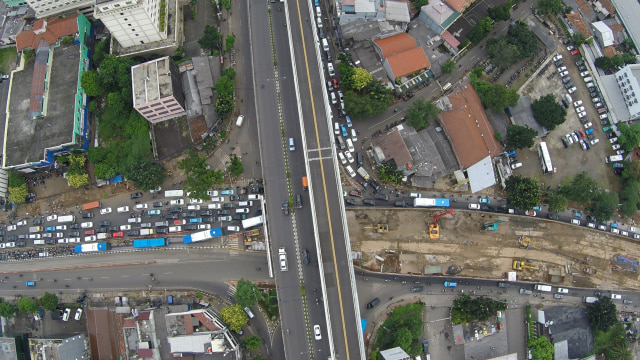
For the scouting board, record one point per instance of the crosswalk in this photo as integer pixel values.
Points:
(231, 293)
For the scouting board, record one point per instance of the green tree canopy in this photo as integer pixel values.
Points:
(581, 189)
(361, 77)
(406, 320)
(520, 137)
(229, 41)
(48, 301)
(525, 39)
(522, 192)
(468, 309)
(494, 96)
(552, 7)
(448, 66)
(486, 24)
(421, 113)
(246, 293)
(104, 171)
(557, 202)
(90, 82)
(476, 34)
(7, 310)
(629, 196)
(613, 344)
(602, 314)
(604, 205)
(234, 316)
(372, 100)
(252, 342)
(389, 172)
(629, 136)
(211, 39)
(578, 39)
(548, 112)
(503, 54)
(147, 175)
(235, 168)
(199, 177)
(18, 194)
(541, 348)
(500, 12)
(27, 305)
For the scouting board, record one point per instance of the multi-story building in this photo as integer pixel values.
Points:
(132, 22)
(157, 90)
(48, 8)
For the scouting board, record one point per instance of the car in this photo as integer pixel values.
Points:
(585, 73)
(349, 157)
(582, 114)
(579, 62)
(572, 90)
(285, 208)
(336, 128)
(563, 291)
(611, 135)
(564, 103)
(566, 79)
(316, 332)
(343, 159)
(90, 238)
(125, 227)
(30, 283)
(179, 222)
(52, 217)
(530, 213)
(344, 130)
(135, 195)
(582, 68)
(588, 125)
(86, 225)
(613, 140)
(484, 201)
(568, 85)
(65, 315)
(89, 232)
(579, 109)
(564, 73)
(577, 103)
(142, 206)
(154, 212)
(557, 57)
(575, 52)
(616, 297)
(350, 145)
(589, 131)
(606, 128)
(122, 209)
(158, 204)
(570, 47)
(584, 145)
(117, 234)
(559, 63)
(179, 202)
(604, 122)
(105, 211)
(78, 314)
(305, 257)
(335, 84)
(620, 152)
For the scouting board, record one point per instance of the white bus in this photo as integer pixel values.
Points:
(545, 158)
(66, 219)
(174, 193)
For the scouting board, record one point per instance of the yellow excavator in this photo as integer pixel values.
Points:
(381, 228)
(519, 265)
(434, 229)
(525, 241)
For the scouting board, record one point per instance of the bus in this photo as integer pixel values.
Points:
(147, 243)
(545, 158)
(174, 193)
(91, 205)
(66, 219)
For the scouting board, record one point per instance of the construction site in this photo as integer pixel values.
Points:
(484, 245)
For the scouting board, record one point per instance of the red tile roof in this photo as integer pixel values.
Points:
(584, 7)
(49, 30)
(576, 20)
(609, 6)
(396, 44)
(468, 127)
(188, 327)
(450, 39)
(129, 323)
(459, 5)
(616, 28)
(206, 322)
(143, 315)
(145, 353)
(408, 62)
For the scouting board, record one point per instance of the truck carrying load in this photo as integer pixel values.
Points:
(102, 236)
(251, 222)
(101, 246)
(282, 257)
(144, 232)
(174, 193)
(590, 299)
(147, 243)
(34, 229)
(305, 183)
(541, 287)
(202, 235)
(363, 173)
(430, 202)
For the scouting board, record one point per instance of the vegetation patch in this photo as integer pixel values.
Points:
(468, 309)
(403, 328)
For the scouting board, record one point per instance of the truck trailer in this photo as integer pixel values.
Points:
(544, 288)
(590, 299)
(430, 202)
(363, 173)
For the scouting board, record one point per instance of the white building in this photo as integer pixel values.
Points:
(603, 33)
(131, 22)
(622, 91)
(48, 8)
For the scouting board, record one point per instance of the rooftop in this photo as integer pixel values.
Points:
(458, 5)
(609, 51)
(605, 31)
(468, 127)
(570, 323)
(397, 10)
(440, 12)
(28, 136)
(396, 44)
(392, 146)
(48, 30)
(584, 7)
(408, 62)
(102, 331)
(151, 81)
(629, 16)
(576, 20)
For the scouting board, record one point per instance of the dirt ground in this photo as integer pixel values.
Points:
(558, 249)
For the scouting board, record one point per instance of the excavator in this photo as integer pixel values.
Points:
(519, 265)
(434, 229)
(525, 241)
(381, 228)
(491, 226)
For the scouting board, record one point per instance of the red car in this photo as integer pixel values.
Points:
(118, 234)
(335, 83)
(179, 222)
(89, 232)
(574, 52)
(582, 134)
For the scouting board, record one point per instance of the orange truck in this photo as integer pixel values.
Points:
(91, 205)
(305, 183)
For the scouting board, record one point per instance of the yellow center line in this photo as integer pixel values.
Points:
(324, 185)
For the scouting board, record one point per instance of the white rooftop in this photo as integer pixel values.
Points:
(397, 10)
(605, 32)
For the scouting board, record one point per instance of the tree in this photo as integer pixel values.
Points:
(541, 348)
(520, 137)
(581, 189)
(402, 338)
(199, 176)
(578, 39)
(604, 205)
(371, 100)
(18, 194)
(502, 53)
(361, 77)
(235, 168)
(104, 171)
(246, 293)
(494, 96)
(406, 320)
(211, 39)
(7, 310)
(234, 316)
(229, 41)
(90, 82)
(147, 175)
(524, 39)
(629, 196)
(500, 12)
(602, 314)
(603, 62)
(522, 192)
(464, 43)
(48, 301)
(629, 136)
(614, 343)
(548, 112)
(629, 58)
(557, 202)
(78, 180)
(389, 172)
(15, 179)
(420, 3)
(552, 7)
(448, 66)
(421, 113)
(476, 34)
(252, 342)
(27, 305)
(486, 24)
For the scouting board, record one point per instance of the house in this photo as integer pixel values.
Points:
(157, 90)
(401, 56)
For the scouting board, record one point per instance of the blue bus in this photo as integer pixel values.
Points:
(147, 243)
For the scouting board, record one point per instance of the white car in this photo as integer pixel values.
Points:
(178, 202)
(570, 47)
(10, 244)
(604, 116)
(204, 226)
(142, 206)
(516, 165)
(354, 135)
(336, 128)
(582, 114)
(65, 316)
(350, 171)
(215, 199)
(620, 152)
(616, 297)
(595, 141)
(105, 211)
(61, 227)
(59, 235)
(350, 145)
(561, 68)
(572, 90)
(319, 21)
(212, 192)
(563, 291)
(90, 238)
(52, 217)
(585, 73)
(316, 332)
(78, 314)
(122, 209)
(577, 103)
(334, 99)
(615, 147)
(349, 157)
(580, 109)
(564, 73)
(125, 227)
(63, 241)
(195, 201)
(588, 125)
(343, 159)
(11, 227)
(612, 140)
(557, 57)
(193, 207)
(86, 225)
(216, 206)
(74, 240)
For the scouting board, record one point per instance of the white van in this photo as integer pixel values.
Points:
(253, 197)
(245, 203)
(134, 220)
(292, 144)
(242, 211)
(38, 242)
(249, 313)
(325, 44)
(175, 228)
(240, 120)
(416, 195)
(125, 227)
(176, 202)
(233, 228)
(217, 206)
(86, 225)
